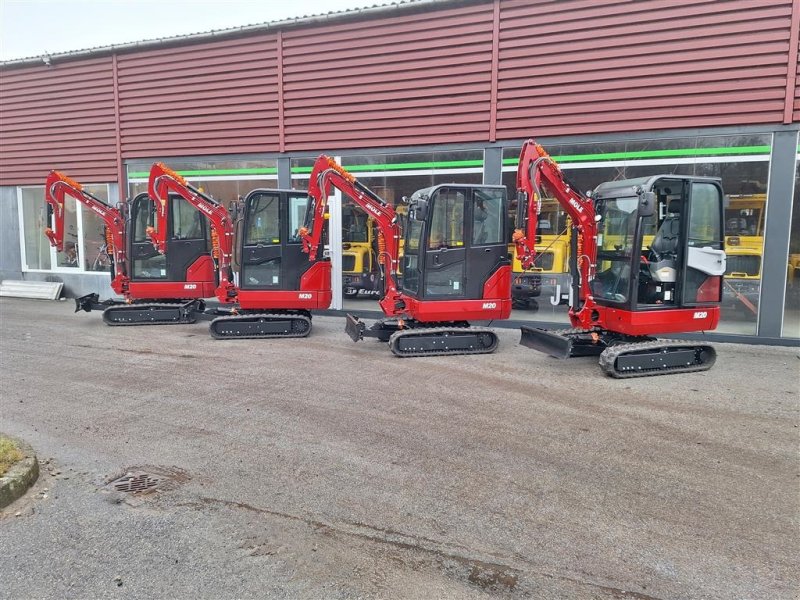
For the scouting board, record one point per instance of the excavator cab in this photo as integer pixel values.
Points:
(272, 256)
(455, 265)
(659, 243)
(646, 258)
(454, 242)
(187, 261)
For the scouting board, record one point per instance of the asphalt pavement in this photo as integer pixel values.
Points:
(320, 468)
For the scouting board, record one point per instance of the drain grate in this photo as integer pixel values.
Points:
(135, 483)
(142, 480)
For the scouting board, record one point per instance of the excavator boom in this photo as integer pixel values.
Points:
(164, 180)
(327, 174)
(537, 173)
(57, 187)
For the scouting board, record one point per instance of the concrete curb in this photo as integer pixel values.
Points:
(19, 477)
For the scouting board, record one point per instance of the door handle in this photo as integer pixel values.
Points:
(487, 250)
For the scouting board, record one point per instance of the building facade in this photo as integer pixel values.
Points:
(428, 92)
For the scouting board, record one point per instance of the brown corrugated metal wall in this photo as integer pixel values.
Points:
(466, 72)
(588, 67)
(796, 115)
(200, 99)
(58, 118)
(402, 80)
(792, 110)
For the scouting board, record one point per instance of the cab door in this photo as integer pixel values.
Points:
(147, 264)
(704, 257)
(294, 261)
(445, 260)
(261, 245)
(486, 237)
(188, 238)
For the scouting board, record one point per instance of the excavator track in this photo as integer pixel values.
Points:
(443, 341)
(151, 313)
(658, 357)
(261, 326)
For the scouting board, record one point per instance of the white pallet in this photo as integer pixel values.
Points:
(40, 290)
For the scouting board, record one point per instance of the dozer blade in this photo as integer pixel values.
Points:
(87, 302)
(549, 342)
(354, 328)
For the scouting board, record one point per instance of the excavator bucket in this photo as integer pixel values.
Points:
(549, 342)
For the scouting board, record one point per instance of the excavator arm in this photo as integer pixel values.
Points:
(57, 187)
(164, 180)
(327, 174)
(537, 173)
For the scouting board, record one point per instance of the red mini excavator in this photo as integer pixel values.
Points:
(278, 285)
(647, 258)
(156, 291)
(455, 263)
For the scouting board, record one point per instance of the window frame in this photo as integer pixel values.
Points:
(54, 268)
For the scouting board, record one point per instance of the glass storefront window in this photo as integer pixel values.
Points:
(69, 256)
(84, 233)
(95, 257)
(224, 180)
(390, 176)
(198, 169)
(301, 169)
(393, 176)
(223, 190)
(36, 246)
(791, 311)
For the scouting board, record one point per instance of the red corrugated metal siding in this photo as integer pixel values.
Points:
(211, 98)
(59, 117)
(796, 113)
(564, 67)
(411, 79)
(624, 65)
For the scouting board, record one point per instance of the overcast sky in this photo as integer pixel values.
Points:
(36, 27)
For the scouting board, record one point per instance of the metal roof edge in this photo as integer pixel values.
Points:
(387, 8)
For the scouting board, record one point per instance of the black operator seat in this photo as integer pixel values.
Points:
(663, 263)
(667, 239)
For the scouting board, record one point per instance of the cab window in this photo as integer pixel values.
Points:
(487, 217)
(144, 217)
(297, 216)
(263, 220)
(187, 221)
(447, 221)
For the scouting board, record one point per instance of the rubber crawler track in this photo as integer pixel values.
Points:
(301, 326)
(443, 332)
(183, 319)
(609, 356)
